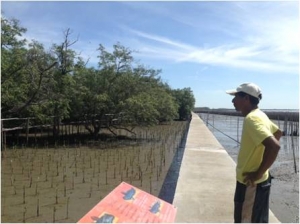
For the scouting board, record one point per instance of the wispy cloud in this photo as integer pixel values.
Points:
(245, 35)
(255, 56)
(266, 38)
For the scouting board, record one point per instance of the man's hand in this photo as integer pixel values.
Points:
(251, 177)
(272, 147)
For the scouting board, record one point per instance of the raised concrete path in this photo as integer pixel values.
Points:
(206, 182)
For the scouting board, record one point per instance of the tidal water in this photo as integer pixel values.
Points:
(228, 130)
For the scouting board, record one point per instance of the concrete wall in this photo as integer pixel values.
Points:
(206, 183)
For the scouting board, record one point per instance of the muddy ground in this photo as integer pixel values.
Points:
(40, 185)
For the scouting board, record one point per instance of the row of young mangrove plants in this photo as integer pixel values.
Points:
(48, 184)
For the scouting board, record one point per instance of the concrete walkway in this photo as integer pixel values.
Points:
(206, 183)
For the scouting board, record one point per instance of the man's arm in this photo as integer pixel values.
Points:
(278, 134)
(272, 147)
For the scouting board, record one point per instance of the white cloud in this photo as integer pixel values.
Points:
(256, 56)
(256, 36)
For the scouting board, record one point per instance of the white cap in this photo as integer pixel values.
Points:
(249, 88)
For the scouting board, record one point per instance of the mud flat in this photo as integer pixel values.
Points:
(41, 185)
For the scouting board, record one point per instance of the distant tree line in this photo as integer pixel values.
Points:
(58, 83)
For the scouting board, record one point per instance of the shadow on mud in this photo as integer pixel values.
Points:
(168, 188)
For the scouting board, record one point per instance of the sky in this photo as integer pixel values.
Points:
(209, 46)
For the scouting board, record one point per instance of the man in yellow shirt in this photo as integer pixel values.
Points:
(258, 151)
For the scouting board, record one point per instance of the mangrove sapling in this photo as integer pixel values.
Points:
(30, 181)
(65, 190)
(52, 181)
(150, 185)
(38, 206)
(14, 190)
(83, 173)
(24, 202)
(94, 167)
(40, 169)
(36, 188)
(54, 211)
(121, 175)
(73, 184)
(67, 215)
(99, 165)
(24, 214)
(11, 180)
(56, 195)
(64, 176)
(106, 176)
(91, 189)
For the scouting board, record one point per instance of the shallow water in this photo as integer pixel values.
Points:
(228, 130)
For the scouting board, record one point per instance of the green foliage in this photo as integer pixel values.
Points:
(119, 93)
(186, 101)
(10, 31)
(25, 70)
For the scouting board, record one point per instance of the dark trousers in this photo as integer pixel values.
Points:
(251, 204)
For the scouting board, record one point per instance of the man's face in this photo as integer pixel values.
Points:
(238, 102)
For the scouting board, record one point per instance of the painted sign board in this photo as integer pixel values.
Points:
(129, 204)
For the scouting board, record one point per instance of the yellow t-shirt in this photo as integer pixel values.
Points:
(256, 128)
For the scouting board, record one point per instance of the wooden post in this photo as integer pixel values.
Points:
(285, 128)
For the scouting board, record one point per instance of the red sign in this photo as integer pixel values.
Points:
(129, 204)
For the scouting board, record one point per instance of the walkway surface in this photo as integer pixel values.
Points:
(206, 182)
